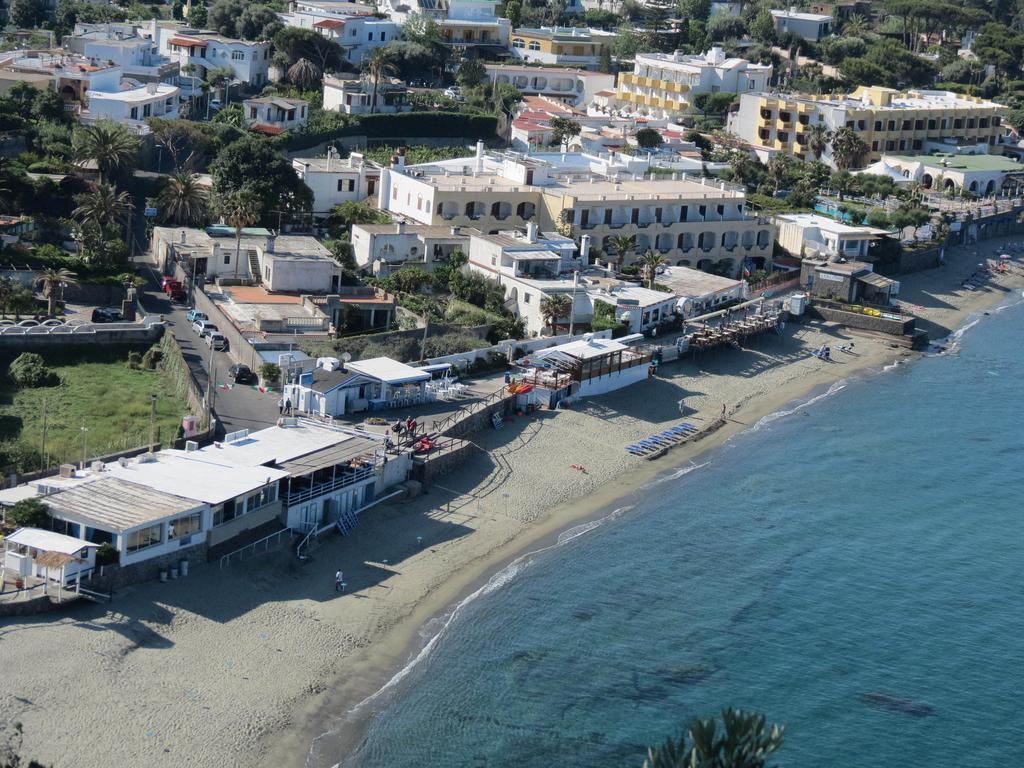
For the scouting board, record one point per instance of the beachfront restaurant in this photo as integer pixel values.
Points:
(591, 366)
(141, 523)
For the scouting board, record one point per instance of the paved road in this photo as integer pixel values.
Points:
(238, 407)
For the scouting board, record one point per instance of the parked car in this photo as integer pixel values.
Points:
(216, 340)
(195, 315)
(208, 328)
(200, 325)
(241, 374)
(453, 92)
(106, 315)
(170, 285)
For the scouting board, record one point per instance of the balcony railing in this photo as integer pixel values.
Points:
(320, 489)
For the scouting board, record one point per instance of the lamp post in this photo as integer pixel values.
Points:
(85, 435)
(572, 306)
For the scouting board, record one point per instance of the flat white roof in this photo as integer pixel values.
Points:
(644, 297)
(824, 223)
(11, 496)
(583, 349)
(694, 283)
(113, 504)
(277, 444)
(162, 91)
(389, 371)
(819, 17)
(200, 475)
(49, 541)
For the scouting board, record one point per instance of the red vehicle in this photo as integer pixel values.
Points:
(169, 284)
(177, 293)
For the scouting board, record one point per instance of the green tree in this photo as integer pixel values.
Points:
(103, 206)
(563, 130)
(254, 163)
(198, 16)
(183, 200)
(471, 73)
(305, 75)
(27, 14)
(842, 182)
(605, 61)
(52, 281)
(292, 44)
(818, 137)
(649, 264)
(879, 219)
(30, 513)
(554, 307)
(239, 209)
(745, 741)
(725, 26)
(514, 12)
(762, 27)
(29, 370)
(219, 78)
(113, 147)
(648, 138)
(620, 246)
(350, 212)
(848, 149)
(378, 64)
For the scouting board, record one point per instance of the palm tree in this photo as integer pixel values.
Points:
(112, 146)
(240, 209)
(304, 75)
(649, 264)
(842, 182)
(855, 26)
(183, 200)
(378, 64)
(818, 137)
(103, 205)
(555, 307)
(746, 741)
(621, 246)
(51, 279)
(778, 167)
(848, 149)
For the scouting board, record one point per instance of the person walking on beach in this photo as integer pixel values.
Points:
(338, 581)
(288, 407)
(723, 410)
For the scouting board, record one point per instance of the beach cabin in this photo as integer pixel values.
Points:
(591, 366)
(698, 292)
(32, 553)
(364, 385)
(849, 282)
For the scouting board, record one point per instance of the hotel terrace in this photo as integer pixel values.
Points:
(665, 83)
(887, 120)
(691, 221)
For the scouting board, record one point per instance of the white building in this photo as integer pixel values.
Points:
(639, 309)
(464, 23)
(350, 25)
(32, 552)
(530, 266)
(175, 504)
(138, 57)
(699, 292)
(133, 105)
(376, 384)
(663, 84)
(561, 46)
(250, 60)
(293, 263)
(381, 249)
(576, 87)
(809, 26)
(274, 115)
(809, 235)
(689, 220)
(352, 95)
(333, 180)
(979, 174)
(591, 366)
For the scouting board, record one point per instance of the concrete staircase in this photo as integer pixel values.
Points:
(254, 267)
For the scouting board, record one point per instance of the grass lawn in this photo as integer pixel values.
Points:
(97, 391)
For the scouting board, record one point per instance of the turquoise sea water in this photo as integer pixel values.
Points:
(866, 545)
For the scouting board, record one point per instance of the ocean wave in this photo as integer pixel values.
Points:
(677, 473)
(434, 630)
(776, 415)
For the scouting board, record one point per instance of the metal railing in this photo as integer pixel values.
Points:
(319, 489)
(468, 410)
(266, 541)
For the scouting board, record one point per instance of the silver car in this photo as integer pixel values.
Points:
(216, 340)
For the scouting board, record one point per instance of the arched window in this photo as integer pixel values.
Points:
(501, 211)
(517, 42)
(685, 241)
(706, 241)
(526, 210)
(474, 209)
(764, 238)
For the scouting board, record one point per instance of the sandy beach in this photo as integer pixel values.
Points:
(247, 666)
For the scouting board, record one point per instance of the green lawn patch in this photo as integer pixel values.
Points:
(98, 391)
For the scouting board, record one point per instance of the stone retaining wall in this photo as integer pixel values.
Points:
(858, 320)
(116, 576)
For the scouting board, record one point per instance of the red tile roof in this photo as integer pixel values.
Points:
(184, 41)
(330, 24)
(270, 130)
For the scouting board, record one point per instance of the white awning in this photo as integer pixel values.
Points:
(11, 496)
(389, 371)
(49, 541)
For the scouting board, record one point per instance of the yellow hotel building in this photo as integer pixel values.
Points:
(569, 46)
(886, 119)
